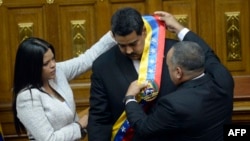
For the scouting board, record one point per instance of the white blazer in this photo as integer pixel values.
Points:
(47, 118)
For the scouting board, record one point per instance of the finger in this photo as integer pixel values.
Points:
(159, 12)
(144, 84)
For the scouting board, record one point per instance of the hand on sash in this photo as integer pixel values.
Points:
(171, 23)
(135, 88)
(147, 90)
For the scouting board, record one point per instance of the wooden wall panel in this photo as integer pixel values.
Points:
(19, 19)
(139, 5)
(5, 70)
(206, 21)
(53, 22)
(51, 28)
(232, 22)
(184, 11)
(74, 15)
(7, 120)
(102, 16)
(242, 86)
(241, 109)
(77, 33)
(152, 6)
(14, 18)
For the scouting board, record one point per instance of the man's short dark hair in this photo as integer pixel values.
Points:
(125, 21)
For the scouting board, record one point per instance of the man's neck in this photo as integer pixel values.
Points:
(136, 65)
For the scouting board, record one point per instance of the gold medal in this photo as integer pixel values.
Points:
(150, 92)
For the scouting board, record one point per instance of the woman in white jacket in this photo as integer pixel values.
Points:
(43, 102)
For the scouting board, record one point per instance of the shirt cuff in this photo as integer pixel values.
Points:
(183, 33)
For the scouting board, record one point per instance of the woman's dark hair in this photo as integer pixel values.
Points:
(28, 70)
(125, 21)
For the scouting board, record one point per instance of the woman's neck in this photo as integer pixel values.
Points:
(49, 90)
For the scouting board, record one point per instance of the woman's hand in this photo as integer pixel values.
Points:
(84, 120)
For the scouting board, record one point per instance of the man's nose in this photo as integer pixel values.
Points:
(129, 50)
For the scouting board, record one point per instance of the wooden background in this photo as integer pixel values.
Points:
(74, 25)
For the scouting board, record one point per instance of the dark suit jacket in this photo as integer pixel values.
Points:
(196, 111)
(112, 74)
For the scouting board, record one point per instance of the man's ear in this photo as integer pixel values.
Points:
(179, 73)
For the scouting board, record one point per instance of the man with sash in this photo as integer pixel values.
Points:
(202, 103)
(139, 54)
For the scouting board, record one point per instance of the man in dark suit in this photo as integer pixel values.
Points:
(202, 103)
(116, 69)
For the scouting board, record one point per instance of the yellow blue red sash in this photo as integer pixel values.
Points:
(150, 70)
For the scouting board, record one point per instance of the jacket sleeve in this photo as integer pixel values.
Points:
(78, 65)
(161, 121)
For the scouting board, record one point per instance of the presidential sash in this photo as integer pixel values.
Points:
(149, 70)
